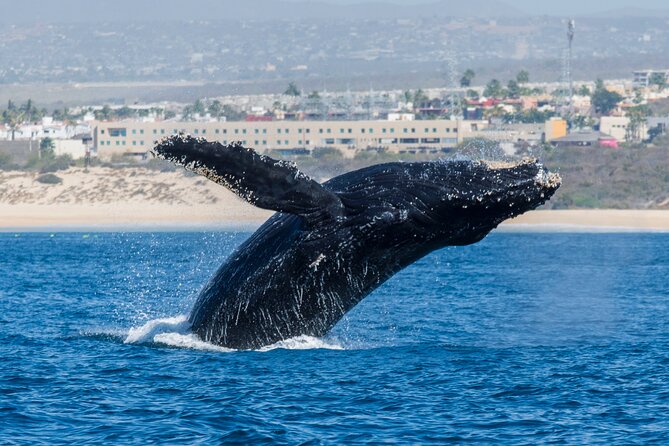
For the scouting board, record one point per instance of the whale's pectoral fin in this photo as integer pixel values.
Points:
(262, 181)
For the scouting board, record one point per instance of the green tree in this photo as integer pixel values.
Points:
(198, 107)
(494, 89)
(514, 89)
(314, 95)
(603, 100)
(523, 77)
(584, 91)
(472, 94)
(419, 98)
(658, 79)
(215, 109)
(292, 90)
(467, 78)
(637, 116)
(46, 147)
(12, 118)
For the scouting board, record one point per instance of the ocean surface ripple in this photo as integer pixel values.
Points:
(520, 339)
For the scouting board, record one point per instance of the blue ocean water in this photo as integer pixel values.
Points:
(524, 338)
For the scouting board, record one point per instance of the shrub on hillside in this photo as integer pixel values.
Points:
(49, 178)
(54, 165)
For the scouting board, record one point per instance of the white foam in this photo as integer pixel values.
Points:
(175, 332)
(190, 341)
(303, 343)
(152, 329)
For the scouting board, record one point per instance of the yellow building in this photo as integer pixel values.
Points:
(136, 137)
(555, 128)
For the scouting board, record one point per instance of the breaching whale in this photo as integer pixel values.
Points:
(329, 245)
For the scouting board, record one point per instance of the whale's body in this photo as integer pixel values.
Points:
(330, 245)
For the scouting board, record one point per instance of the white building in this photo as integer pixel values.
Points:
(642, 78)
(617, 126)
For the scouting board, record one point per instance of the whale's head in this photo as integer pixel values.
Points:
(468, 199)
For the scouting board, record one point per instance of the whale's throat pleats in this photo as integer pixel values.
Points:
(260, 180)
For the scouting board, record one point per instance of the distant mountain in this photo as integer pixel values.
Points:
(67, 11)
(631, 12)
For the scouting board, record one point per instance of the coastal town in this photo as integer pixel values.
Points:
(515, 116)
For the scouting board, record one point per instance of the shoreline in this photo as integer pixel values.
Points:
(141, 217)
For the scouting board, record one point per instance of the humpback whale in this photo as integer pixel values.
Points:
(329, 245)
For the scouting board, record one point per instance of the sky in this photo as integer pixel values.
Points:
(559, 7)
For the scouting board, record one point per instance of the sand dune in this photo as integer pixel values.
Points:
(143, 199)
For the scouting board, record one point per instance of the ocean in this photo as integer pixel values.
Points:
(524, 338)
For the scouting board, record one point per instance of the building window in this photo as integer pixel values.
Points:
(278, 130)
(217, 131)
(115, 133)
(329, 131)
(134, 143)
(392, 130)
(196, 131)
(236, 131)
(134, 131)
(406, 130)
(434, 130)
(141, 131)
(244, 131)
(308, 130)
(413, 130)
(255, 131)
(204, 131)
(371, 130)
(286, 142)
(350, 130)
(299, 131)
(264, 131)
(363, 130)
(264, 142)
(278, 142)
(155, 131)
(162, 131)
(225, 131)
(141, 143)
(383, 130)
(287, 131)
(319, 130)
(102, 131)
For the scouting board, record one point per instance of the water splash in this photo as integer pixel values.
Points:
(175, 332)
(157, 328)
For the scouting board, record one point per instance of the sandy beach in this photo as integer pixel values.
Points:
(142, 199)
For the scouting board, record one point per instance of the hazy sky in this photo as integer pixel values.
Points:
(561, 7)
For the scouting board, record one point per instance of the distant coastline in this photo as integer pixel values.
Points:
(140, 199)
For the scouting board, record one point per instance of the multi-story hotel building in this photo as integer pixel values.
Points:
(135, 137)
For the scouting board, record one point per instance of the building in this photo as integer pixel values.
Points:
(290, 137)
(642, 78)
(617, 126)
(532, 134)
(587, 138)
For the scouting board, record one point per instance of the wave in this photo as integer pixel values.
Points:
(175, 332)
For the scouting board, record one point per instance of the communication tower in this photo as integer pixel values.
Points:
(567, 78)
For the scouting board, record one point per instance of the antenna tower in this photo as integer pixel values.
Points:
(571, 31)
